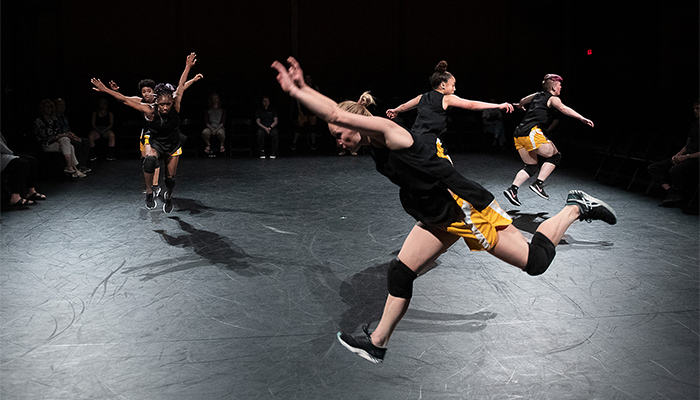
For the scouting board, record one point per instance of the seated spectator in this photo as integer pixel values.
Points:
(214, 119)
(102, 123)
(48, 133)
(82, 145)
(266, 118)
(20, 172)
(678, 176)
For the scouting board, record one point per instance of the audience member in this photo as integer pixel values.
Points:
(102, 122)
(266, 118)
(678, 176)
(19, 171)
(48, 133)
(82, 145)
(493, 125)
(215, 120)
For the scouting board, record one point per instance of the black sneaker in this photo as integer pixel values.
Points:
(362, 345)
(538, 188)
(512, 195)
(156, 191)
(168, 204)
(591, 208)
(150, 201)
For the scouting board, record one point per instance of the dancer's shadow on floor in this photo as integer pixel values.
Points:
(529, 222)
(365, 294)
(213, 249)
(195, 207)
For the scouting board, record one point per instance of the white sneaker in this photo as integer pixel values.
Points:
(273, 156)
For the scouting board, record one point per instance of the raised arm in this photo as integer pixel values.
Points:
(380, 130)
(100, 87)
(568, 111)
(182, 84)
(455, 101)
(409, 105)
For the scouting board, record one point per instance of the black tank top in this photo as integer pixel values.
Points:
(538, 114)
(432, 118)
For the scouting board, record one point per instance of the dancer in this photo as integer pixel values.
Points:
(165, 139)
(531, 140)
(146, 88)
(446, 205)
(431, 122)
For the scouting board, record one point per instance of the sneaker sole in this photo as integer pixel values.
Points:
(606, 206)
(512, 200)
(359, 352)
(538, 193)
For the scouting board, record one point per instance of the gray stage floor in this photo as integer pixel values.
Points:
(239, 293)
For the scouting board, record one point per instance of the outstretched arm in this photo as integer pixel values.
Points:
(409, 105)
(456, 101)
(568, 111)
(100, 87)
(380, 130)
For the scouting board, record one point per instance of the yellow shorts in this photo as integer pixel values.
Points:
(531, 142)
(441, 151)
(146, 139)
(479, 229)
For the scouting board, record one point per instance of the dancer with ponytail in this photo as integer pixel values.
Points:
(431, 121)
(446, 205)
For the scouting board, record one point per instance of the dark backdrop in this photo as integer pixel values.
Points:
(641, 77)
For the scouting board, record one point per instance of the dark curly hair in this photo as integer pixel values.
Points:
(147, 83)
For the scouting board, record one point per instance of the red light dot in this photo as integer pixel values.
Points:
(589, 52)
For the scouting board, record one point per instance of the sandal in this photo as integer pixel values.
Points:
(22, 203)
(36, 196)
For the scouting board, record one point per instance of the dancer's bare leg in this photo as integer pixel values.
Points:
(422, 246)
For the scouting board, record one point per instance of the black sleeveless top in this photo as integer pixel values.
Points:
(165, 133)
(424, 179)
(538, 114)
(431, 121)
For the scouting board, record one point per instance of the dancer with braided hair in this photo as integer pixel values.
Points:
(165, 140)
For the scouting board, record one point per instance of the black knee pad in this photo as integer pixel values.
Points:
(169, 182)
(399, 279)
(150, 163)
(541, 254)
(555, 159)
(531, 169)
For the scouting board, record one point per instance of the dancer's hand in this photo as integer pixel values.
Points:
(99, 86)
(198, 77)
(587, 122)
(392, 113)
(191, 60)
(113, 85)
(506, 106)
(284, 78)
(296, 73)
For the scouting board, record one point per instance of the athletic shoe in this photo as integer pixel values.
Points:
(78, 174)
(591, 208)
(150, 201)
(85, 170)
(539, 190)
(111, 159)
(362, 345)
(273, 156)
(512, 195)
(168, 205)
(156, 190)
(262, 156)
